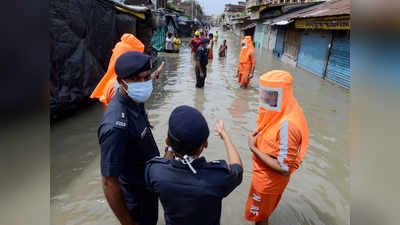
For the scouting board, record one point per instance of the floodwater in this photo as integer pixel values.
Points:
(318, 192)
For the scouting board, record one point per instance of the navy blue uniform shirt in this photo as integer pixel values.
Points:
(189, 198)
(202, 56)
(126, 141)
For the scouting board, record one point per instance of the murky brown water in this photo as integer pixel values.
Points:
(318, 192)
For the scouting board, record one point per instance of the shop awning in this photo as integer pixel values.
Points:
(249, 26)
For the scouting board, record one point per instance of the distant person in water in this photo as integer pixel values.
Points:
(195, 42)
(246, 62)
(211, 46)
(177, 43)
(202, 36)
(222, 49)
(169, 43)
(201, 63)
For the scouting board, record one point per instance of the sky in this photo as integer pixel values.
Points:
(215, 6)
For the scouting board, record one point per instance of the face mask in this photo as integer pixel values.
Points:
(140, 91)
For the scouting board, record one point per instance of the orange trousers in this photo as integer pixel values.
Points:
(244, 73)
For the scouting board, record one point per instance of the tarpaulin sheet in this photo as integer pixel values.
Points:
(158, 39)
(82, 35)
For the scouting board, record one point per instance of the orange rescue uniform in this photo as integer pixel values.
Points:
(246, 61)
(104, 90)
(283, 134)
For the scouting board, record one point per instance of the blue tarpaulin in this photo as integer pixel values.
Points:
(158, 39)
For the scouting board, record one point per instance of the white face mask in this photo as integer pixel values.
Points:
(271, 98)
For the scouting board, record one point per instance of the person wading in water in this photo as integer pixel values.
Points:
(246, 62)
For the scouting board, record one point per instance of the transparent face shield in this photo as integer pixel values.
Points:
(271, 98)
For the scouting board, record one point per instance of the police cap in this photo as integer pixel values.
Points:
(188, 129)
(132, 63)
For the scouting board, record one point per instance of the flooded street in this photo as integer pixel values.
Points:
(318, 192)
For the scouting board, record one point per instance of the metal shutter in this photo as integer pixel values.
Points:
(338, 69)
(313, 51)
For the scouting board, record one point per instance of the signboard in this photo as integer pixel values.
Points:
(325, 23)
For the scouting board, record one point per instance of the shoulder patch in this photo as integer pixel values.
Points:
(120, 123)
(217, 164)
(159, 159)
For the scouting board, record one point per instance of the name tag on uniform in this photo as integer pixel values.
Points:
(143, 133)
(119, 123)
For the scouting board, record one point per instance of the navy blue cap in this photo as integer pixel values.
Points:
(132, 63)
(188, 129)
(205, 40)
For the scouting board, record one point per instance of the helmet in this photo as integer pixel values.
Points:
(197, 33)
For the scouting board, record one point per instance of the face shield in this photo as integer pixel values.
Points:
(271, 98)
(244, 44)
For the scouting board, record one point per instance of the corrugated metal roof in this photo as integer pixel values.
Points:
(289, 16)
(331, 8)
(133, 8)
(249, 26)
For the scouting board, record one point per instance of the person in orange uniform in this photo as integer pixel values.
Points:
(246, 62)
(104, 90)
(278, 144)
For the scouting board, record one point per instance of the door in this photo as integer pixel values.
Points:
(313, 51)
(280, 41)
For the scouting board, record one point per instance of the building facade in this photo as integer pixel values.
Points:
(313, 35)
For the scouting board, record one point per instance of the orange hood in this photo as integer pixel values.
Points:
(246, 50)
(132, 41)
(104, 90)
(269, 120)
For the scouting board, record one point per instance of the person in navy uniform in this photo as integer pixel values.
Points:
(127, 143)
(201, 63)
(190, 188)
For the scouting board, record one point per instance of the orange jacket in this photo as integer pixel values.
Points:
(246, 60)
(283, 133)
(104, 90)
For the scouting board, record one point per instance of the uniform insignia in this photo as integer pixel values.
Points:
(122, 115)
(119, 123)
(143, 133)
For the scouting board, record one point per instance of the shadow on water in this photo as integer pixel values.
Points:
(318, 192)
